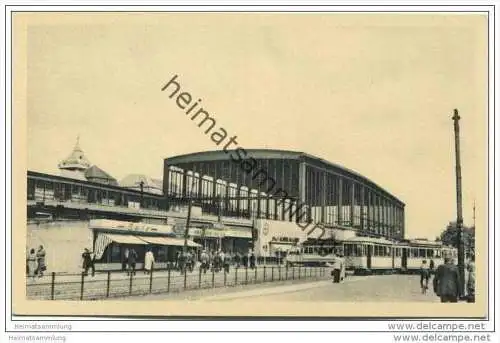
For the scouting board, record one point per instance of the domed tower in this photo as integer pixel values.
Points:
(75, 165)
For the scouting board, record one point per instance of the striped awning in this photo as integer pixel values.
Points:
(105, 239)
(171, 241)
(125, 239)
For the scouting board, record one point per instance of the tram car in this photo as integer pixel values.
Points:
(417, 250)
(313, 254)
(367, 255)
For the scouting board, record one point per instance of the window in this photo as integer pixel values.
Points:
(115, 252)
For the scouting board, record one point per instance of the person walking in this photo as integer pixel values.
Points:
(32, 264)
(149, 260)
(431, 267)
(40, 257)
(226, 262)
(245, 260)
(132, 259)
(424, 276)
(125, 259)
(87, 262)
(338, 271)
(447, 282)
(237, 259)
(252, 260)
(205, 261)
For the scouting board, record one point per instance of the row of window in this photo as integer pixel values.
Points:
(45, 190)
(381, 250)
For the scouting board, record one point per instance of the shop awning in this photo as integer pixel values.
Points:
(124, 239)
(171, 241)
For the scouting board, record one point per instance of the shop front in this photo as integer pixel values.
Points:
(227, 239)
(276, 238)
(113, 240)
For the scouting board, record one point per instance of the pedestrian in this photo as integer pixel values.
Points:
(252, 260)
(237, 259)
(471, 281)
(227, 262)
(178, 260)
(32, 264)
(190, 261)
(205, 261)
(447, 282)
(87, 262)
(40, 257)
(125, 259)
(338, 272)
(245, 261)
(132, 259)
(149, 261)
(424, 276)
(431, 266)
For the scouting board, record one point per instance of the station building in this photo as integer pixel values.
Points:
(272, 187)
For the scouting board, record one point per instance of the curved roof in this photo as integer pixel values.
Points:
(220, 155)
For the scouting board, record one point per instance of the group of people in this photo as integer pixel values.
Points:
(446, 282)
(129, 261)
(214, 260)
(35, 262)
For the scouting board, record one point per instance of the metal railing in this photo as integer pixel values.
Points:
(119, 284)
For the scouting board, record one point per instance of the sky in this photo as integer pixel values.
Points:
(374, 93)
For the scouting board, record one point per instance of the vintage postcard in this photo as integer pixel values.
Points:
(250, 164)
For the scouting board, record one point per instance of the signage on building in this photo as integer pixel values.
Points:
(110, 225)
(292, 240)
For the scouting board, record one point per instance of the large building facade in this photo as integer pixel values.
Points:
(283, 185)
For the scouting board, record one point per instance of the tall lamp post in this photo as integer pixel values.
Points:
(188, 219)
(460, 240)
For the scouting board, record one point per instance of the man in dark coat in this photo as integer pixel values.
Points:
(132, 259)
(447, 282)
(252, 260)
(245, 261)
(88, 262)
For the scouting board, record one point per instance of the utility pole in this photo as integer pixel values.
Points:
(460, 240)
(188, 219)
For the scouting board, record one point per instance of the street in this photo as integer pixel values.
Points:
(378, 288)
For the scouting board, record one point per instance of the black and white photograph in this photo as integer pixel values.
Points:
(260, 163)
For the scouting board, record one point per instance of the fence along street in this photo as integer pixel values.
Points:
(117, 284)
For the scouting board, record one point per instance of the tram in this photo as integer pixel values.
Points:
(313, 253)
(366, 255)
(418, 250)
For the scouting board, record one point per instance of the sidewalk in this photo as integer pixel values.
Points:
(113, 284)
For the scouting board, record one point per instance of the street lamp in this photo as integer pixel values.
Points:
(460, 241)
(188, 219)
